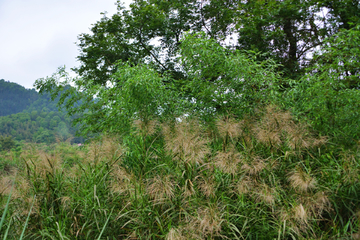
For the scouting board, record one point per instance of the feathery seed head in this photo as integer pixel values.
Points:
(65, 202)
(229, 127)
(106, 148)
(175, 234)
(188, 189)
(21, 189)
(302, 181)
(121, 183)
(206, 185)
(208, 221)
(161, 188)
(6, 183)
(244, 185)
(300, 214)
(270, 129)
(277, 127)
(228, 161)
(145, 128)
(255, 167)
(320, 203)
(186, 142)
(266, 194)
(110, 148)
(46, 163)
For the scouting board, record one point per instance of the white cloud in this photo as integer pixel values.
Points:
(38, 36)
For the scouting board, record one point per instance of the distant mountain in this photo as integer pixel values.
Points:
(14, 98)
(27, 115)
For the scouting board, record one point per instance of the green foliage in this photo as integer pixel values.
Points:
(342, 14)
(15, 98)
(203, 152)
(3, 217)
(222, 81)
(6, 143)
(338, 60)
(122, 68)
(30, 116)
(328, 95)
(262, 177)
(285, 31)
(218, 81)
(40, 127)
(128, 36)
(125, 76)
(133, 93)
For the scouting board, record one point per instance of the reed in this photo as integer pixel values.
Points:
(269, 178)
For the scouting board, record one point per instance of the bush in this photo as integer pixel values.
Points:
(6, 143)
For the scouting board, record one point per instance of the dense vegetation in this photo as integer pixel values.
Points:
(15, 98)
(201, 138)
(258, 178)
(40, 127)
(31, 117)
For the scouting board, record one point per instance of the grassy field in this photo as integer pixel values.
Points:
(264, 177)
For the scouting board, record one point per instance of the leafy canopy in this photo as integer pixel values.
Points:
(219, 81)
(168, 59)
(328, 95)
(286, 31)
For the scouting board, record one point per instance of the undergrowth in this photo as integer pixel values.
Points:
(264, 177)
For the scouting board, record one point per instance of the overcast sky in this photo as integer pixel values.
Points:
(38, 36)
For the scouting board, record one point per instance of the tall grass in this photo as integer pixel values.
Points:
(264, 177)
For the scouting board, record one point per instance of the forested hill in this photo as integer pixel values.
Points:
(14, 98)
(29, 116)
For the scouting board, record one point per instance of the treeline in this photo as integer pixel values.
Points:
(28, 116)
(37, 126)
(14, 98)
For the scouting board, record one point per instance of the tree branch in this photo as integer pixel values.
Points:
(155, 58)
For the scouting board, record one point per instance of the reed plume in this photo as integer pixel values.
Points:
(186, 142)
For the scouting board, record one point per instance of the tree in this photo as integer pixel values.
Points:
(151, 30)
(133, 92)
(6, 143)
(129, 36)
(157, 41)
(339, 59)
(224, 81)
(343, 14)
(62, 131)
(43, 135)
(286, 30)
(328, 94)
(219, 81)
(15, 98)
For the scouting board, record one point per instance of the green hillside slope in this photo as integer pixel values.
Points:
(26, 115)
(15, 98)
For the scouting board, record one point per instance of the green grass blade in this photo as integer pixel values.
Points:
(27, 220)
(103, 229)
(6, 207)
(59, 232)
(7, 230)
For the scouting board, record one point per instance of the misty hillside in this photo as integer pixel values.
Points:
(15, 98)
(29, 116)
